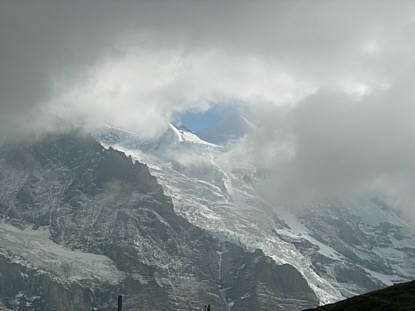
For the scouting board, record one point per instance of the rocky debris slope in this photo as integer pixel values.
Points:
(67, 197)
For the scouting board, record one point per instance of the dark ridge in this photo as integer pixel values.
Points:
(82, 154)
(399, 297)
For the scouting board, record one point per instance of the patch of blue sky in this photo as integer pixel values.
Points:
(197, 120)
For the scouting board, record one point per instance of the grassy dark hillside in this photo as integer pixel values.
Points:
(398, 297)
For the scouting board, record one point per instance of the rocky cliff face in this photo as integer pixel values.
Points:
(82, 224)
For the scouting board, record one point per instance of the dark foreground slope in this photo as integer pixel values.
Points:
(399, 297)
(81, 224)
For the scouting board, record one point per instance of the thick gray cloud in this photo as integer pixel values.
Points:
(41, 42)
(48, 42)
(333, 146)
(329, 81)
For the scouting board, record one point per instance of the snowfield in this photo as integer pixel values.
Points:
(34, 248)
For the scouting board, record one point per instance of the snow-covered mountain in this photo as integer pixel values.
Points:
(81, 224)
(340, 248)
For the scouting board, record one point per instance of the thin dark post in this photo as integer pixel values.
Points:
(119, 303)
(208, 308)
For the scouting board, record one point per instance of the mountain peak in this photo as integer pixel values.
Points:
(182, 135)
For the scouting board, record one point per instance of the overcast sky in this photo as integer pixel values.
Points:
(330, 82)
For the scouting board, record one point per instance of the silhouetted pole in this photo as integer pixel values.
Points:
(208, 308)
(119, 303)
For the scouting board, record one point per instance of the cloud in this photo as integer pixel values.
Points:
(143, 89)
(334, 146)
(45, 44)
(329, 81)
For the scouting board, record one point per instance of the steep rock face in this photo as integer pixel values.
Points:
(374, 241)
(88, 200)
